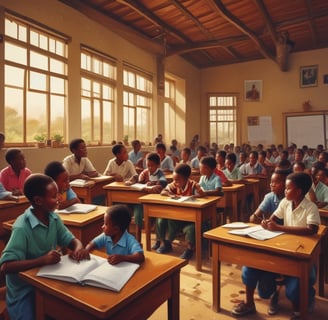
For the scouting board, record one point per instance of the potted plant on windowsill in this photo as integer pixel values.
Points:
(57, 140)
(41, 140)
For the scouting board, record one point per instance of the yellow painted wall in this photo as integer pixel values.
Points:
(281, 90)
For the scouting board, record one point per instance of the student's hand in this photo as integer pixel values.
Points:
(52, 257)
(269, 224)
(83, 176)
(17, 192)
(115, 258)
(80, 254)
(118, 178)
(154, 189)
(128, 183)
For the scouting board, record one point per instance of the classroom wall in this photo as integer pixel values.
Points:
(281, 90)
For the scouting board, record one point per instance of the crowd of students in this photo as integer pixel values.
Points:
(298, 185)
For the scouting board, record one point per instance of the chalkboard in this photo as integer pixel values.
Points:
(307, 130)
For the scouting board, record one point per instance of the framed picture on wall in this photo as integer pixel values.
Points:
(253, 90)
(309, 76)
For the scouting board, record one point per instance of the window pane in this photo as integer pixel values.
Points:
(38, 60)
(57, 107)
(86, 120)
(86, 87)
(14, 76)
(38, 81)
(107, 122)
(96, 121)
(57, 85)
(57, 66)
(15, 53)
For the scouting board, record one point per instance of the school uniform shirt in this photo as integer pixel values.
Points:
(126, 169)
(269, 203)
(69, 194)
(321, 191)
(72, 167)
(256, 169)
(210, 184)
(134, 157)
(235, 174)
(306, 213)
(188, 190)
(126, 245)
(158, 175)
(11, 181)
(221, 174)
(194, 163)
(3, 192)
(167, 164)
(41, 239)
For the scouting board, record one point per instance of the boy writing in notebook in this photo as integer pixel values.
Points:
(119, 244)
(32, 243)
(300, 216)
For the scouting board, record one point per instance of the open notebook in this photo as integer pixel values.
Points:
(78, 208)
(95, 272)
(256, 232)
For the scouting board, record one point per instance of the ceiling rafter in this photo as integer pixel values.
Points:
(218, 6)
(311, 24)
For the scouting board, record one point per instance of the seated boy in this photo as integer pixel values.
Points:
(58, 173)
(77, 164)
(181, 186)
(13, 176)
(119, 244)
(32, 243)
(167, 164)
(135, 154)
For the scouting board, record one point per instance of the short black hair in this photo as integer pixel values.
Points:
(36, 185)
(11, 155)
(153, 156)
(161, 146)
(222, 153)
(300, 164)
(54, 169)
(232, 157)
(254, 153)
(183, 169)
(301, 180)
(117, 149)
(120, 216)
(208, 161)
(74, 144)
(135, 142)
(325, 171)
(187, 150)
(202, 149)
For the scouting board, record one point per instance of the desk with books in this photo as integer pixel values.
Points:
(288, 254)
(156, 281)
(91, 188)
(197, 211)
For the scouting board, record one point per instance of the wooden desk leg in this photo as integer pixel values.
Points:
(173, 304)
(304, 289)
(39, 305)
(216, 277)
(234, 207)
(147, 226)
(109, 199)
(198, 237)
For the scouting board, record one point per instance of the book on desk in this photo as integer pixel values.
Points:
(256, 232)
(78, 208)
(96, 272)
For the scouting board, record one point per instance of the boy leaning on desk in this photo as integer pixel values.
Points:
(300, 216)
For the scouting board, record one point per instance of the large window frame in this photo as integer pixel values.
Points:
(98, 92)
(223, 118)
(35, 81)
(137, 104)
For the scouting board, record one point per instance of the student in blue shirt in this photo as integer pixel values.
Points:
(136, 153)
(209, 181)
(120, 245)
(32, 243)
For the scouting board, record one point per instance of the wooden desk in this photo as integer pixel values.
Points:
(197, 211)
(252, 186)
(157, 281)
(283, 252)
(84, 226)
(93, 188)
(232, 195)
(118, 192)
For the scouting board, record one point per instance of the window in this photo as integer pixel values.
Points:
(222, 117)
(170, 110)
(35, 69)
(98, 84)
(137, 98)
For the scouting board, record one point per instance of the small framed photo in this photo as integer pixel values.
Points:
(309, 76)
(325, 78)
(253, 90)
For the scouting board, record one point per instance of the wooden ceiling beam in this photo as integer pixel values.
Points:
(309, 8)
(218, 6)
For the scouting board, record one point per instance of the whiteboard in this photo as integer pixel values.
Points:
(307, 130)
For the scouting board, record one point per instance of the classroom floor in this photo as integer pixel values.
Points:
(196, 294)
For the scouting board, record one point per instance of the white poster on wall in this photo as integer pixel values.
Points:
(259, 130)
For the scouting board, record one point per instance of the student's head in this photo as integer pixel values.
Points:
(323, 157)
(78, 147)
(242, 157)
(153, 162)
(278, 182)
(16, 159)
(322, 175)
(201, 151)
(268, 153)
(2, 140)
(58, 173)
(181, 174)
(285, 165)
(120, 152)
(298, 166)
(320, 148)
(161, 150)
(262, 156)
(230, 161)
(284, 155)
(253, 156)
(220, 157)
(117, 219)
(207, 166)
(318, 165)
(136, 145)
(297, 185)
(174, 142)
(185, 154)
(41, 191)
(299, 155)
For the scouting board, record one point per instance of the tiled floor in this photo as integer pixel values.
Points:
(196, 295)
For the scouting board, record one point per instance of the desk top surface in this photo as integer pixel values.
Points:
(234, 187)
(287, 244)
(195, 203)
(9, 203)
(119, 186)
(101, 302)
